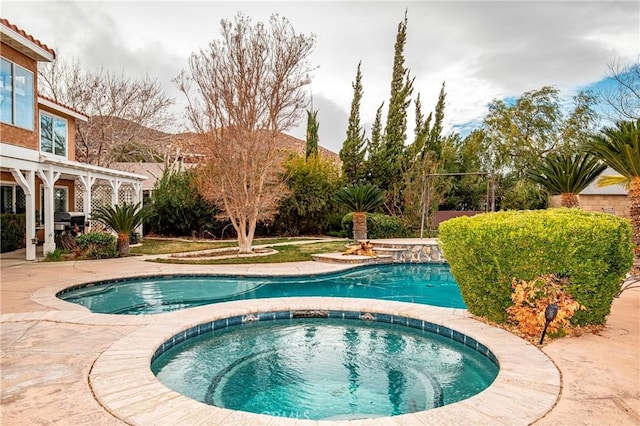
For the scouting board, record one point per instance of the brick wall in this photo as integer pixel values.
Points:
(15, 135)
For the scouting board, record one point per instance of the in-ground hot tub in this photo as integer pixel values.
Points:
(525, 389)
(324, 365)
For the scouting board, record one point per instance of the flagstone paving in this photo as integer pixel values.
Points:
(48, 349)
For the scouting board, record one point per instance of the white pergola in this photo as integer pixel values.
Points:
(25, 164)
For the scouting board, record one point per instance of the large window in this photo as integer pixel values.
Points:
(12, 199)
(53, 134)
(16, 95)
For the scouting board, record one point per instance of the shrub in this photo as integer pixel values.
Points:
(12, 229)
(334, 226)
(177, 208)
(531, 298)
(96, 245)
(55, 256)
(306, 207)
(487, 251)
(378, 226)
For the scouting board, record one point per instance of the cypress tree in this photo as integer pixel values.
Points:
(396, 126)
(312, 133)
(374, 150)
(352, 152)
(435, 134)
(415, 151)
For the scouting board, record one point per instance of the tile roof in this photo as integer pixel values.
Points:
(29, 37)
(53, 101)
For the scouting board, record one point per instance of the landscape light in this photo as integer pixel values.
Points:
(550, 314)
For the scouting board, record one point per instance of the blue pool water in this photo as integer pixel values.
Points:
(323, 369)
(417, 283)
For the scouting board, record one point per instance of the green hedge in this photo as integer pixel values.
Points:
(378, 226)
(486, 251)
(97, 245)
(12, 229)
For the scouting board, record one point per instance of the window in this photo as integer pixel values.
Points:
(60, 200)
(53, 134)
(16, 95)
(12, 199)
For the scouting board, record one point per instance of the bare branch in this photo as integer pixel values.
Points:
(121, 111)
(242, 90)
(622, 96)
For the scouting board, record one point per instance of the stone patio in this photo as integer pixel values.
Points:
(49, 349)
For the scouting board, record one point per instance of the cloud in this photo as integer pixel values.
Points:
(482, 49)
(333, 123)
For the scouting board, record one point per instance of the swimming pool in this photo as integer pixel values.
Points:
(345, 365)
(416, 283)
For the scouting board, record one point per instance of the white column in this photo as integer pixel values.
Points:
(28, 185)
(137, 198)
(137, 192)
(87, 183)
(48, 178)
(115, 190)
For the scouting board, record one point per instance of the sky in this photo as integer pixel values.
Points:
(482, 50)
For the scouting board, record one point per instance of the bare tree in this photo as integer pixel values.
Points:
(125, 113)
(622, 96)
(242, 91)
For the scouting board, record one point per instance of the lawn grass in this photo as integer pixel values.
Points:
(167, 246)
(286, 253)
(155, 246)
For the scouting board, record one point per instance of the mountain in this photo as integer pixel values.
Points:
(103, 140)
(106, 140)
(187, 146)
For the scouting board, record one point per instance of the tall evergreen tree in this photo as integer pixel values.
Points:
(424, 156)
(374, 150)
(395, 133)
(422, 129)
(312, 133)
(435, 134)
(352, 152)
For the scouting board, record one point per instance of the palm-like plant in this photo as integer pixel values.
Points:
(123, 220)
(360, 199)
(566, 175)
(619, 148)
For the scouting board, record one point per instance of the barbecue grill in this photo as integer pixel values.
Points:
(72, 222)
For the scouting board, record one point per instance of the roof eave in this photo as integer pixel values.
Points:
(26, 46)
(62, 109)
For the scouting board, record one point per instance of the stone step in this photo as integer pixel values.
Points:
(351, 259)
(388, 249)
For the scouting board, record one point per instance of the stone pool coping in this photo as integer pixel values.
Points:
(527, 386)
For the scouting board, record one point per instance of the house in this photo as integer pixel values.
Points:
(184, 151)
(38, 172)
(152, 171)
(611, 199)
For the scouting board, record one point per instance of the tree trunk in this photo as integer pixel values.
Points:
(244, 244)
(359, 226)
(569, 199)
(634, 211)
(123, 244)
